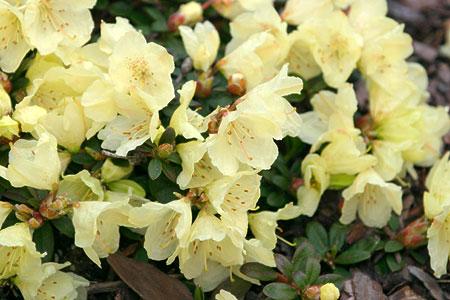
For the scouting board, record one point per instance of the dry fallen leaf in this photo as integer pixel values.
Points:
(147, 281)
(428, 281)
(362, 287)
(405, 293)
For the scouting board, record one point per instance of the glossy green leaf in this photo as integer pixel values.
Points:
(154, 168)
(279, 291)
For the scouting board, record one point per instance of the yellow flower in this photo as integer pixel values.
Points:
(413, 85)
(334, 44)
(112, 172)
(48, 25)
(5, 209)
(185, 121)
(435, 124)
(8, 127)
(245, 138)
(256, 252)
(167, 227)
(143, 70)
(13, 44)
(389, 158)
(29, 117)
(19, 260)
(80, 187)
(67, 123)
(264, 19)
(111, 33)
(224, 295)
(372, 198)
(298, 11)
(234, 194)
(253, 59)
(233, 8)
(246, 135)
(5, 102)
(368, 17)
(268, 99)
(438, 185)
(33, 163)
(300, 58)
(263, 224)
(212, 240)
(192, 12)
(439, 242)
(61, 285)
(97, 224)
(126, 132)
(316, 181)
(383, 58)
(99, 101)
(201, 44)
(329, 292)
(197, 169)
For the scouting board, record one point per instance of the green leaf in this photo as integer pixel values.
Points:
(304, 251)
(171, 171)
(283, 264)
(82, 158)
(276, 199)
(300, 279)
(65, 226)
(369, 244)
(419, 257)
(352, 256)
(259, 271)
(281, 182)
(45, 241)
(154, 168)
(141, 255)
(392, 263)
(168, 137)
(394, 222)
(175, 158)
(393, 246)
(279, 291)
(318, 236)
(312, 270)
(198, 294)
(336, 279)
(338, 233)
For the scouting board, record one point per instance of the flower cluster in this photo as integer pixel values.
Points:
(114, 90)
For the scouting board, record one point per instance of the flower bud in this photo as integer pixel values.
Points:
(414, 235)
(329, 292)
(165, 150)
(188, 14)
(312, 292)
(204, 85)
(29, 216)
(237, 84)
(36, 221)
(54, 207)
(125, 186)
(296, 183)
(5, 82)
(23, 212)
(112, 172)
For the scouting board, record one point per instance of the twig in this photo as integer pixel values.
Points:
(105, 287)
